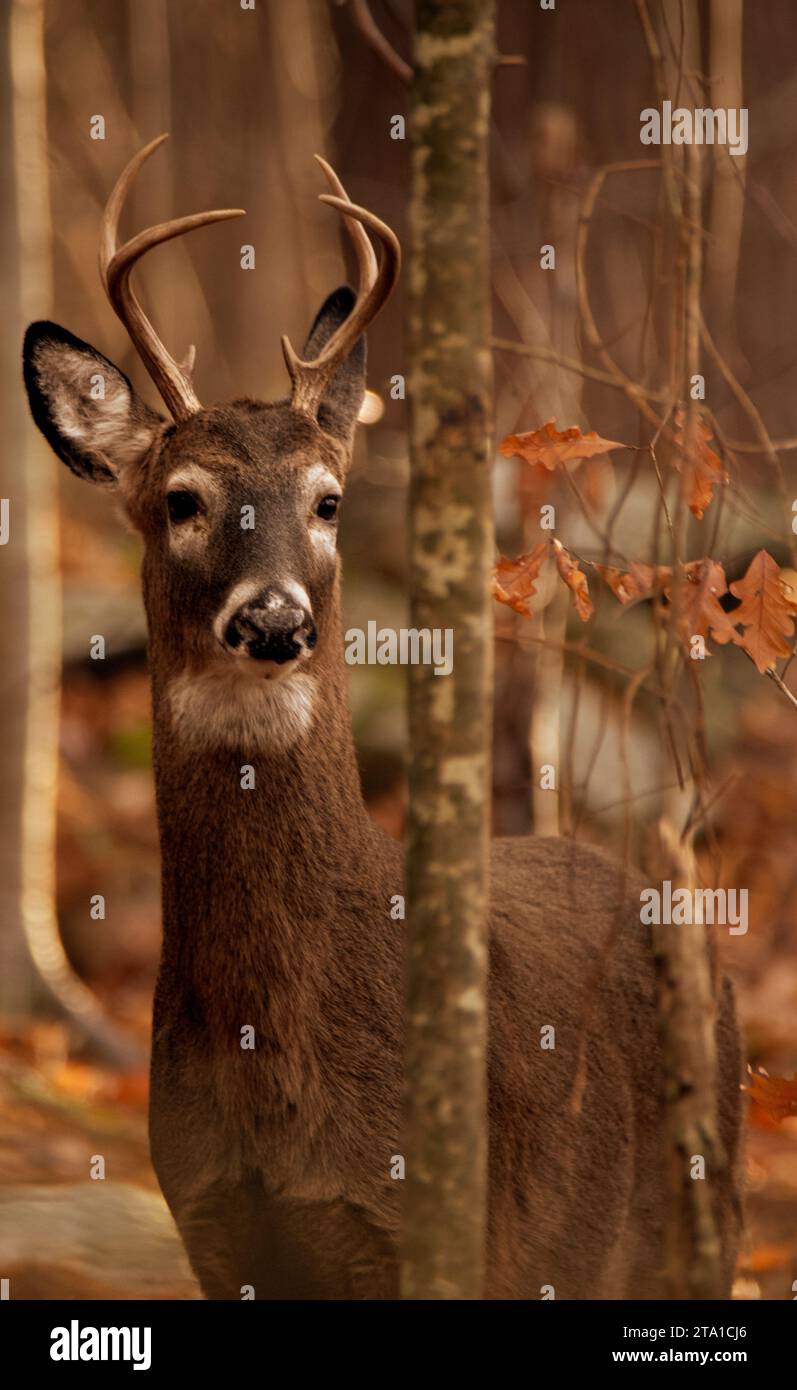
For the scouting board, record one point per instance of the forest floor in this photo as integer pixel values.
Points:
(62, 1234)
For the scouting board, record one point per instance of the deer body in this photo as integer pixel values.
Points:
(277, 1032)
(277, 1161)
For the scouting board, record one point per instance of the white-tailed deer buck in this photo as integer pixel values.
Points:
(275, 1159)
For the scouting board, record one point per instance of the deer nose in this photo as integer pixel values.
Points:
(272, 627)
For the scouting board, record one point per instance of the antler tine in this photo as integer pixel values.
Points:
(172, 380)
(309, 380)
(364, 251)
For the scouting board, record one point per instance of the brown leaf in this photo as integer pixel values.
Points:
(705, 468)
(551, 447)
(513, 580)
(701, 610)
(575, 579)
(775, 1095)
(639, 581)
(766, 612)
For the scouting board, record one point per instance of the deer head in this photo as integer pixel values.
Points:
(237, 504)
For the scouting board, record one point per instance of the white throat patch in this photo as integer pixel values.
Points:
(230, 708)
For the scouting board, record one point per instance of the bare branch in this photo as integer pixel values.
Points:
(368, 27)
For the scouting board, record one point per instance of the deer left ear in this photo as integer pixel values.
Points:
(340, 406)
(84, 406)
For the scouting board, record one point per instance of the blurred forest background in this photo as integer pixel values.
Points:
(248, 96)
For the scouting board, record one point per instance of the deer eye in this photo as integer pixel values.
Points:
(327, 508)
(182, 505)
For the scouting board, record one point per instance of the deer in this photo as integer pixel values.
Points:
(274, 1156)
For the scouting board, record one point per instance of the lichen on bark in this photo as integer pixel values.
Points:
(451, 552)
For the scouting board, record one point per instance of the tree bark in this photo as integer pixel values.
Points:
(451, 543)
(726, 212)
(32, 957)
(686, 970)
(30, 647)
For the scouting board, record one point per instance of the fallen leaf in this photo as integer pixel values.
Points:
(513, 580)
(766, 612)
(77, 1079)
(766, 1257)
(551, 447)
(575, 579)
(128, 1088)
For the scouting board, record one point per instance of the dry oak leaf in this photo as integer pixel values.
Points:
(551, 447)
(775, 1095)
(705, 469)
(575, 579)
(701, 609)
(637, 582)
(513, 580)
(703, 587)
(766, 612)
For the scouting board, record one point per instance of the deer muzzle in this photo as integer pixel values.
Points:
(273, 627)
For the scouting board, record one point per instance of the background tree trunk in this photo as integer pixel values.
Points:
(33, 962)
(451, 544)
(30, 650)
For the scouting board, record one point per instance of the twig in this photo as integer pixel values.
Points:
(782, 686)
(571, 364)
(660, 75)
(635, 393)
(368, 27)
(760, 428)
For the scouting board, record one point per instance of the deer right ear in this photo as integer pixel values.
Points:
(84, 406)
(344, 395)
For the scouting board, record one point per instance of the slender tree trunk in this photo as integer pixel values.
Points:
(726, 213)
(685, 964)
(151, 85)
(33, 675)
(303, 90)
(445, 1138)
(31, 641)
(16, 971)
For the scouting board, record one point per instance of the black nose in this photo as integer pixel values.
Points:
(272, 627)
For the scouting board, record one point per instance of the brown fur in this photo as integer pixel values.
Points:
(276, 1161)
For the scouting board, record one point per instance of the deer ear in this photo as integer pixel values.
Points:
(84, 406)
(343, 397)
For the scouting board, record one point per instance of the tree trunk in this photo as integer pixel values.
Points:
(726, 215)
(31, 641)
(32, 957)
(451, 543)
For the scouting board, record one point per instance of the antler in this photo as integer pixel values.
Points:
(172, 380)
(309, 380)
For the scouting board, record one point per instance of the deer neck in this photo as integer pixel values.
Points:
(275, 903)
(257, 843)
